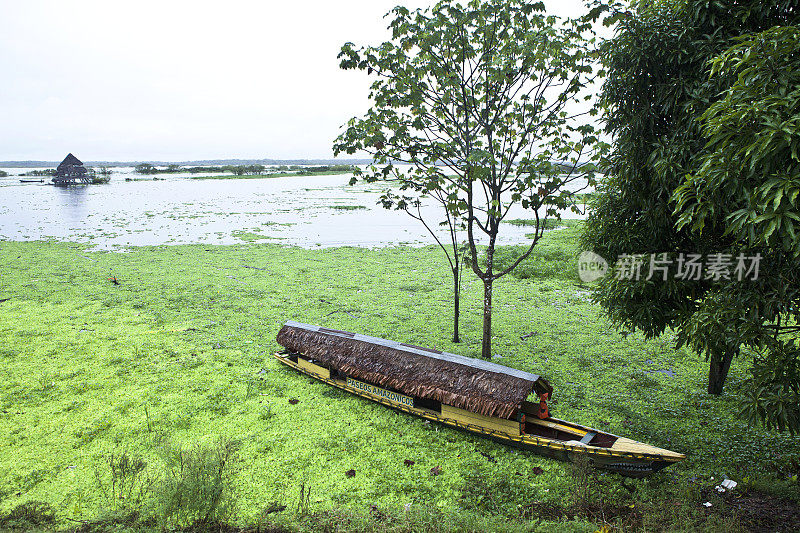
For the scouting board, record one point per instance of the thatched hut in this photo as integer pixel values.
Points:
(70, 171)
(471, 384)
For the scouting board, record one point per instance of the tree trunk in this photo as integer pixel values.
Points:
(456, 295)
(486, 345)
(718, 371)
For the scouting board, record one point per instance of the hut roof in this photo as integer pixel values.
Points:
(472, 384)
(70, 160)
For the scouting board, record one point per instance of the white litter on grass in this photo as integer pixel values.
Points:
(728, 484)
(707, 504)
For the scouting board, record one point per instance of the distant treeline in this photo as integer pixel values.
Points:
(201, 162)
(147, 168)
(3, 174)
(241, 170)
(45, 172)
(326, 168)
(102, 171)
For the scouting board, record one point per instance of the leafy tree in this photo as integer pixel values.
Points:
(749, 177)
(145, 168)
(702, 99)
(748, 184)
(3, 174)
(473, 98)
(45, 172)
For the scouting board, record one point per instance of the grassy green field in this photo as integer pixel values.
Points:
(171, 369)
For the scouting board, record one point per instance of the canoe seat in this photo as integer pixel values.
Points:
(588, 437)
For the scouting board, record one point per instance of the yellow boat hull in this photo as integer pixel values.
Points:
(625, 456)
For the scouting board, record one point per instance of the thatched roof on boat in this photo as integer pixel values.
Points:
(472, 384)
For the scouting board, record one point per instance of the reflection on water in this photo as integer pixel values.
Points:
(71, 202)
(308, 211)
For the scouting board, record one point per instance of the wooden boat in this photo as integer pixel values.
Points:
(470, 394)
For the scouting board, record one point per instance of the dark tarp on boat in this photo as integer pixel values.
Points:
(471, 384)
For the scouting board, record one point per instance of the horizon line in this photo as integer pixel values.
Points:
(268, 161)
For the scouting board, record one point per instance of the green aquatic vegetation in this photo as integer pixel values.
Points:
(550, 223)
(348, 207)
(242, 177)
(554, 257)
(180, 352)
(248, 236)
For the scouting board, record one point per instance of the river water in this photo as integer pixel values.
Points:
(307, 211)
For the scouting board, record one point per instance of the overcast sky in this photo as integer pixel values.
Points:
(181, 80)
